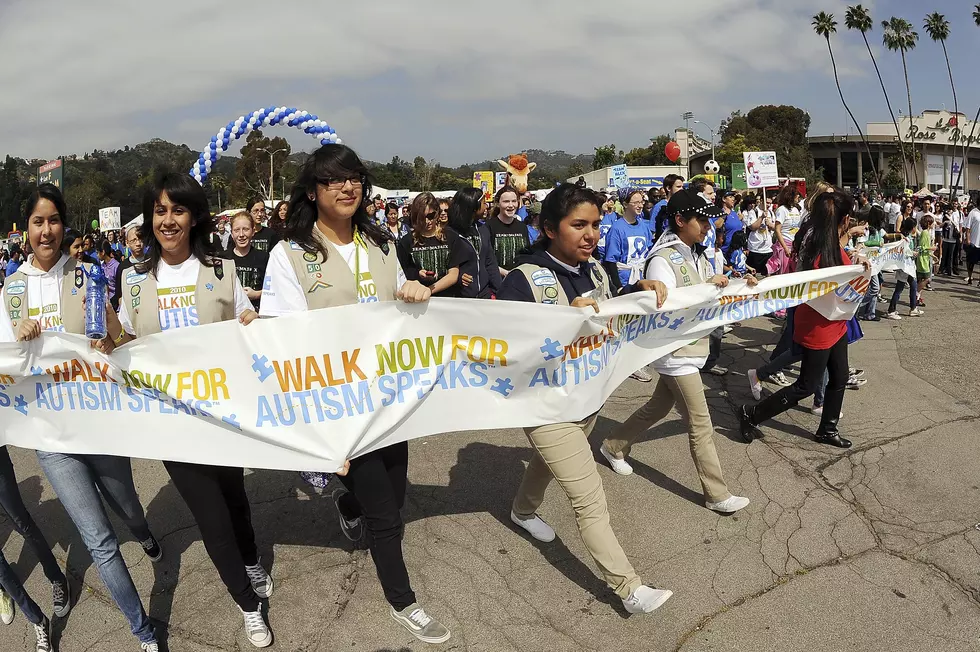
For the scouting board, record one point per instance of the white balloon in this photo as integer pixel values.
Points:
(338, 141)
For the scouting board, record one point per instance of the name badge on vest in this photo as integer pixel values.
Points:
(219, 270)
(79, 277)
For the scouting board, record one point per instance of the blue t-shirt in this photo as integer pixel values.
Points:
(733, 223)
(736, 258)
(12, 266)
(658, 220)
(522, 213)
(532, 233)
(709, 243)
(628, 243)
(607, 221)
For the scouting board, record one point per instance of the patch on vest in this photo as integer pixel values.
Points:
(310, 258)
(676, 257)
(384, 247)
(543, 277)
(135, 290)
(15, 302)
(17, 287)
(318, 285)
(79, 277)
(551, 292)
(294, 246)
(14, 315)
(135, 277)
(136, 303)
(219, 270)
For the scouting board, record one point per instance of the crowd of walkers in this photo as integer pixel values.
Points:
(331, 245)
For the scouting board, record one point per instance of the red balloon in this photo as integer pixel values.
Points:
(673, 151)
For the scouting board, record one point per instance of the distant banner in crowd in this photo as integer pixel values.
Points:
(307, 391)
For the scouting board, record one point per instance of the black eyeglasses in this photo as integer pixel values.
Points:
(338, 183)
(431, 216)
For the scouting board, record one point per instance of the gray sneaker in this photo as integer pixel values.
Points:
(423, 627)
(642, 376)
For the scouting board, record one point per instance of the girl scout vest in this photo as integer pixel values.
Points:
(214, 296)
(687, 274)
(72, 294)
(546, 289)
(329, 283)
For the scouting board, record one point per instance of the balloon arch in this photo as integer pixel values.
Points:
(268, 117)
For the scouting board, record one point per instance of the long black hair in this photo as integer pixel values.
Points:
(876, 218)
(557, 205)
(462, 210)
(53, 194)
(329, 163)
(182, 190)
(819, 235)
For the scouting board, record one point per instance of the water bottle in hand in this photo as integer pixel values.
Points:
(95, 299)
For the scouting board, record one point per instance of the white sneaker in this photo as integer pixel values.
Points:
(152, 646)
(642, 376)
(422, 626)
(258, 633)
(817, 410)
(894, 315)
(535, 526)
(754, 384)
(727, 328)
(780, 379)
(6, 608)
(646, 599)
(728, 506)
(916, 312)
(622, 467)
(261, 581)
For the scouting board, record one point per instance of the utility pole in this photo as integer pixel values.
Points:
(712, 137)
(272, 155)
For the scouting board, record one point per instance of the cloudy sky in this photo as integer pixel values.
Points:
(455, 80)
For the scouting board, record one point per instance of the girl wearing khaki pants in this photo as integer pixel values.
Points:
(673, 262)
(558, 271)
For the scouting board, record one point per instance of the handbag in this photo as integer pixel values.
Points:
(854, 332)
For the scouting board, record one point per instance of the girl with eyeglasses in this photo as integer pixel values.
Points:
(335, 255)
(431, 255)
(465, 213)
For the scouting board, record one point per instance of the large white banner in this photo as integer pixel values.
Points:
(307, 391)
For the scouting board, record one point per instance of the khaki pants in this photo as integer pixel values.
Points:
(563, 453)
(687, 393)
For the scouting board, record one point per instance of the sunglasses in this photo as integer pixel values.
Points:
(430, 216)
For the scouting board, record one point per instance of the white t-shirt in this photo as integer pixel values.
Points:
(790, 219)
(659, 269)
(43, 290)
(894, 209)
(176, 290)
(973, 223)
(282, 294)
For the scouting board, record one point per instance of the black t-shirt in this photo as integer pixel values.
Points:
(434, 255)
(508, 240)
(264, 240)
(251, 268)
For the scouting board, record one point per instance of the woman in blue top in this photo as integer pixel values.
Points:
(628, 241)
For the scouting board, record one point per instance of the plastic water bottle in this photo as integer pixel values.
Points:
(95, 298)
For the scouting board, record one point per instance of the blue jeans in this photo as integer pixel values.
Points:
(913, 293)
(81, 481)
(870, 304)
(13, 505)
(12, 585)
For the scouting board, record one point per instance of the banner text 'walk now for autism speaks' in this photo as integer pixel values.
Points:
(307, 391)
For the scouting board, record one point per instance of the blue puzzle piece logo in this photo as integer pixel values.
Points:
(261, 367)
(20, 405)
(36, 371)
(551, 349)
(503, 386)
(676, 323)
(232, 421)
(209, 286)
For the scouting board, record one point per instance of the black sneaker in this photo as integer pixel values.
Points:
(746, 428)
(61, 598)
(152, 549)
(354, 529)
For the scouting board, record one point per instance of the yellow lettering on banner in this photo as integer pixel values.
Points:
(6, 380)
(204, 384)
(350, 366)
(480, 349)
(820, 288)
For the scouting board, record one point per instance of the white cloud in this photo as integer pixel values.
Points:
(104, 73)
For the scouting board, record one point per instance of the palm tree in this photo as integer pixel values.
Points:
(825, 25)
(219, 182)
(901, 37)
(859, 18)
(969, 140)
(937, 27)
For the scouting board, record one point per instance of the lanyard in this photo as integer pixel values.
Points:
(358, 244)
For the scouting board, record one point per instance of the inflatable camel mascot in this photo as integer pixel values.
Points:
(518, 169)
